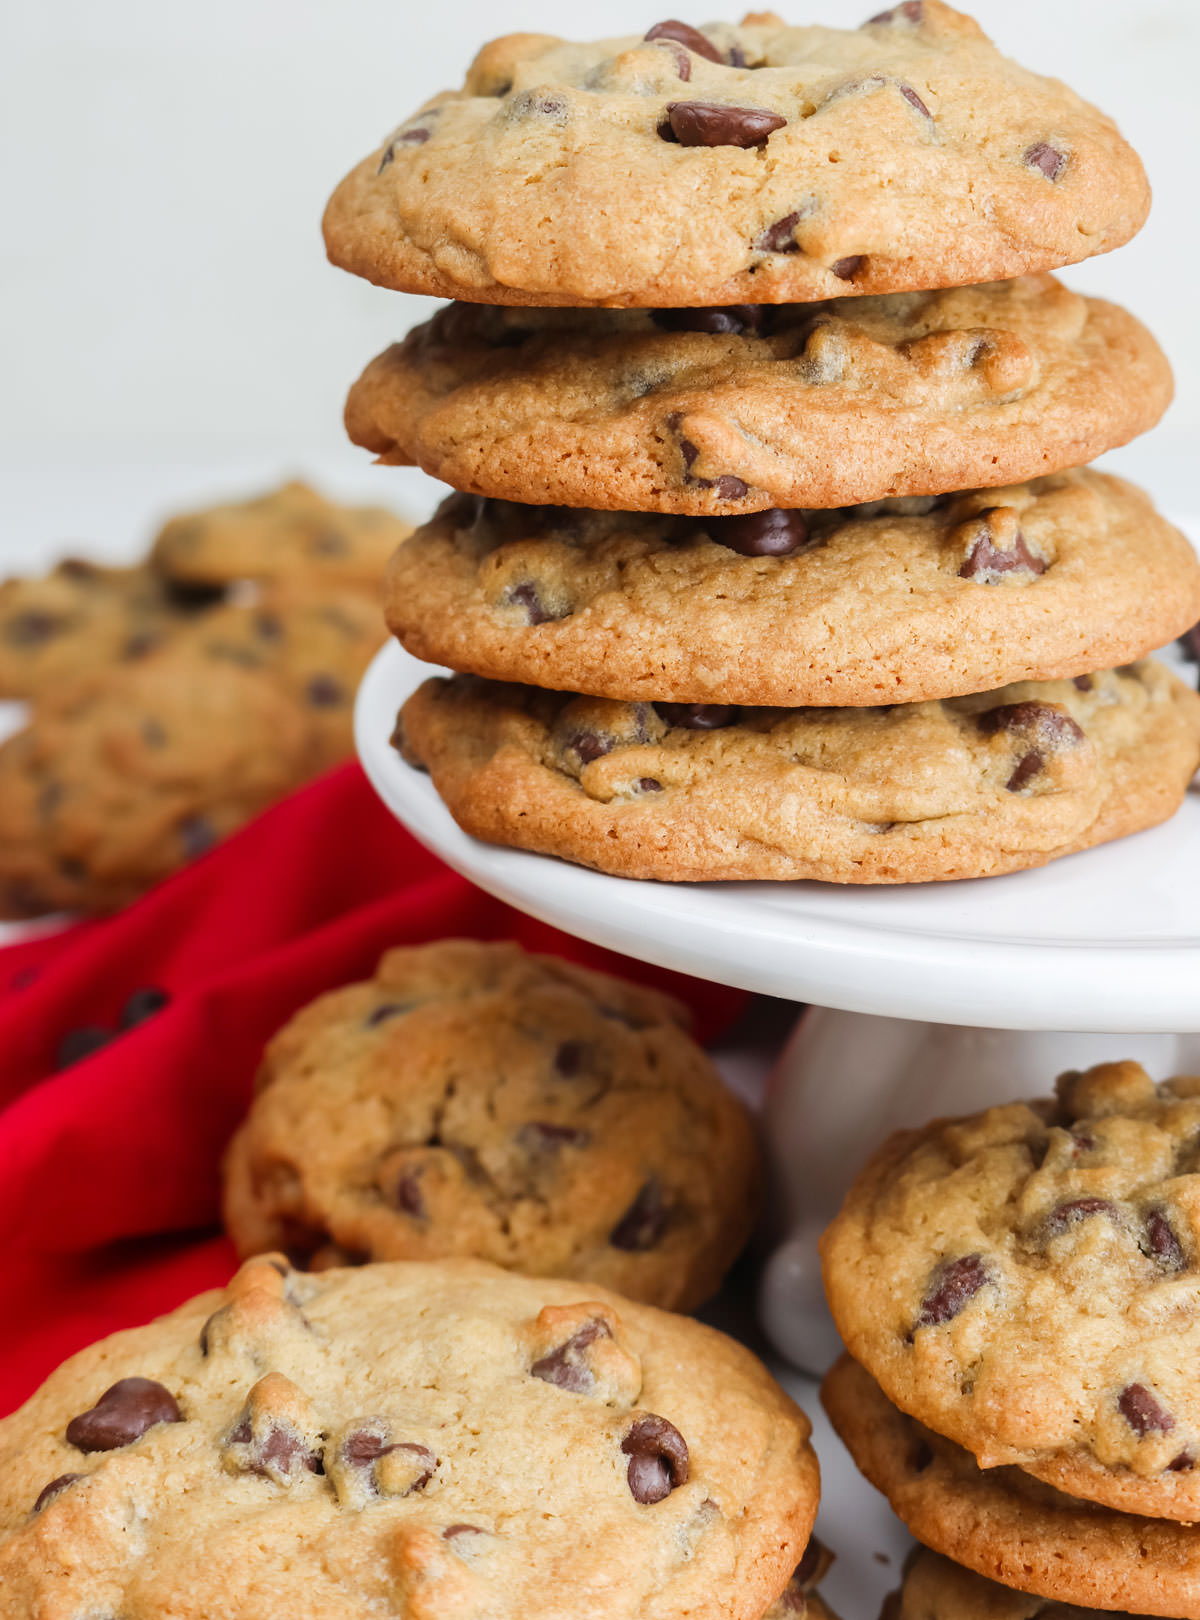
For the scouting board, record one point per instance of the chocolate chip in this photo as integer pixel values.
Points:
(1183, 1464)
(590, 745)
(713, 123)
(408, 1196)
(568, 1060)
(385, 1010)
(1142, 1411)
(774, 533)
(362, 1449)
(1083, 682)
(197, 835)
(526, 595)
(537, 104)
(953, 1285)
(684, 34)
(658, 1458)
(278, 1452)
(910, 12)
(1070, 1214)
(80, 1043)
(452, 1530)
(846, 269)
(323, 692)
(644, 1222)
(1027, 768)
(55, 1488)
(1041, 721)
(648, 784)
(414, 137)
(30, 629)
(543, 1135)
(122, 1415)
(1162, 1242)
(727, 487)
(730, 318)
(779, 237)
(913, 99)
(565, 1367)
(986, 562)
(698, 716)
(1047, 159)
(143, 1004)
(681, 58)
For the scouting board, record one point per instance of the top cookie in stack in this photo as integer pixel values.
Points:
(791, 424)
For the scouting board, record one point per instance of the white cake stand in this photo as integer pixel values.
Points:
(929, 998)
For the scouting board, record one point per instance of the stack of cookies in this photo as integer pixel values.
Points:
(1018, 1292)
(775, 553)
(175, 699)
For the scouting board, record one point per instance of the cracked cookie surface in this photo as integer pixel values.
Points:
(895, 603)
(291, 534)
(1007, 1525)
(382, 1440)
(725, 411)
(1024, 1281)
(474, 1100)
(755, 162)
(967, 787)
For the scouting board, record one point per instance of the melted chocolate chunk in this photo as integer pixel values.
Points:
(278, 1451)
(526, 595)
(729, 318)
(846, 269)
(658, 1458)
(1047, 725)
(953, 1285)
(648, 784)
(122, 1415)
(1071, 1214)
(362, 1449)
(644, 1222)
(1162, 1243)
(408, 1196)
(773, 533)
(911, 12)
(1143, 1412)
(590, 745)
(1027, 768)
(698, 716)
(684, 34)
(1047, 159)
(55, 1488)
(986, 561)
(780, 237)
(714, 123)
(565, 1366)
(1083, 682)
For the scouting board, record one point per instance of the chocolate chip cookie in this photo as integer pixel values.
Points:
(967, 787)
(896, 602)
(1005, 1524)
(290, 534)
(83, 616)
(730, 164)
(407, 1439)
(1023, 1282)
(936, 1589)
(123, 776)
(473, 1100)
(719, 411)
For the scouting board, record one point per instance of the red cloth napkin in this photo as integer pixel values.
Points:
(109, 1168)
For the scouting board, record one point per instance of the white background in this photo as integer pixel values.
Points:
(165, 298)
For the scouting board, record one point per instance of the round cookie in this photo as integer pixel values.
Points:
(936, 1589)
(894, 603)
(967, 787)
(1004, 1524)
(1024, 1281)
(83, 616)
(758, 162)
(315, 645)
(473, 1100)
(407, 1439)
(124, 776)
(735, 410)
(290, 534)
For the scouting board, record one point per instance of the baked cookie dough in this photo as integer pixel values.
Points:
(474, 1100)
(1023, 1281)
(292, 534)
(728, 411)
(936, 1589)
(1004, 1524)
(897, 602)
(759, 162)
(968, 787)
(407, 1439)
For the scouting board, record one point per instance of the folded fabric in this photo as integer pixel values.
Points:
(109, 1163)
